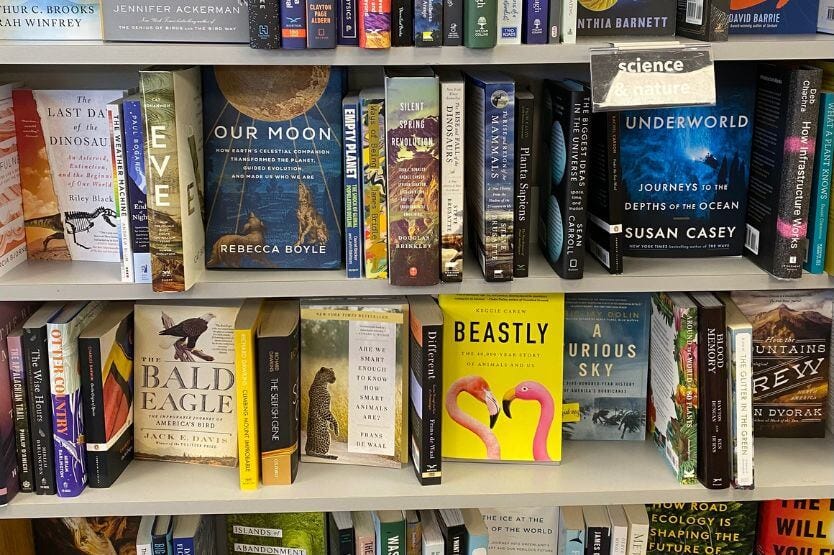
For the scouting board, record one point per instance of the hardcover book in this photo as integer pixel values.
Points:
(412, 111)
(185, 382)
(626, 18)
(286, 210)
(607, 364)
(403, 13)
(12, 229)
(340, 537)
(480, 23)
(193, 535)
(490, 170)
(352, 183)
(453, 22)
(787, 112)
(522, 531)
(173, 21)
(638, 529)
(673, 405)
(375, 23)
(163, 528)
(246, 391)
(571, 531)
(688, 195)
(566, 121)
(773, 16)
(431, 541)
(20, 412)
(534, 27)
(728, 527)
(428, 22)
(321, 24)
(51, 20)
(75, 536)
(597, 530)
(133, 125)
(105, 349)
(390, 531)
(293, 24)
(524, 332)
(802, 526)
(348, 26)
(354, 381)
(606, 198)
(265, 24)
(821, 186)
(277, 533)
(374, 186)
(706, 20)
(452, 119)
(791, 342)
(173, 105)
(509, 21)
(524, 106)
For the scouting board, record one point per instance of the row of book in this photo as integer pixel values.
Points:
(296, 24)
(766, 528)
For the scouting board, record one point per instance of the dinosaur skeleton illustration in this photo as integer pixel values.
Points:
(73, 223)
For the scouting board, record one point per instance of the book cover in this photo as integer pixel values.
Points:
(265, 24)
(524, 106)
(524, 332)
(276, 533)
(821, 187)
(480, 23)
(374, 186)
(825, 22)
(185, 382)
(490, 170)
(75, 535)
(354, 381)
(173, 106)
(509, 21)
(279, 418)
(606, 198)
(352, 184)
(571, 531)
(522, 531)
(688, 195)
(706, 20)
(375, 23)
(638, 529)
(626, 18)
(425, 363)
(321, 24)
(285, 211)
(673, 404)
(428, 22)
(51, 20)
(412, 112)
(597, 530)
(246, 390)
(453, 22)
(773, 16)
(787, 113)
(171, 21)
(566, 121)
(390, 531)
(728, 527)
(452, 118)
(348, 26)
(293, 24)
(105, 349)
(340, 536)
(363, 528)
(119, 183)
(402, 22)
(12, 228)
(800, 526)
(20, 412)
(791, 342)
(569, 21)
(534, 27)
(137, 186)
(607, 364)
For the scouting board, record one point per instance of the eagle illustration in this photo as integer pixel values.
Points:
(190, 329)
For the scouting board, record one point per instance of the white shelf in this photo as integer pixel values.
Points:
(765, 47)
(591, 473)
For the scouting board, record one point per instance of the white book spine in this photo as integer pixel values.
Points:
(569, 11)
(638, 536)
(509, 21)
(619, 540)
(451, 177)
(742, 381)
(117, 154)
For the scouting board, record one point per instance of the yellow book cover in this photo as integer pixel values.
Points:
(502, 377)
(246, 385)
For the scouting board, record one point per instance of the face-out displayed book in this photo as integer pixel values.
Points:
(773, 17)
(522, 531)
(51, 20)
(263, 533)
(12, 234)
(802, 525)
(76, 536)
(218, 21)
(727, 527)
(625, 18)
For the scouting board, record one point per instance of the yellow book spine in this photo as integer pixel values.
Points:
(247, 409)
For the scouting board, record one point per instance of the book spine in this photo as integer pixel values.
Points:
(638, 535)
(509, 21)
(246, 388)
(523, 185)
(534, 21)
(293, 24)
(427, 378)
(117, 156)
(20, 408)
(499, 129)
(374, 189)
(428, 22)
(575, 194)
(265, 24)
(451, 172)
(554, 21)
(92, 394)
(375, 23)
(159, 544)
(453, 22)
(616, 196)
(605, 196)
(821, 193)
(480, 23)
(183, 546)
(599, 540)
(569, 13)
(391, 537)
(40, 414)
(402, 24)
(321, 24)
(741, 378)
(713, 388)
(706, 20)
(135, 172)
(348, 27)
(352, 185)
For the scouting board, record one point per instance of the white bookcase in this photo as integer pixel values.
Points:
(591, 472)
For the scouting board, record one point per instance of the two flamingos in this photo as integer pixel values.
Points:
(478, 388)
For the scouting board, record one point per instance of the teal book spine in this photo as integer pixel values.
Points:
(821, 193)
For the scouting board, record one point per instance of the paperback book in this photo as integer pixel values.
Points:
(219, 21)
(428, 22)
(25, 475)
(509, 21)
(728, 527)
(374, 183)
(524, 162)
(773, 17)
(606, 197)
(571, 531)
(51, 20)
(119, 184)
(626, 18)
(277, 533)
(12, 229)
(352, 183)
(597, 530)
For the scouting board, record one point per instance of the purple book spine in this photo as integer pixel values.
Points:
(348, 28)
(534, 21)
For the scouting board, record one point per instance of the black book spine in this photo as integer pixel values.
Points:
(598, 541)
(605, 194)
(92, 402)
(554, 21)
(714, 399)
(265, 24)
(523, 182)
(425, 359)
(20, 408)
(786, 118)
(402, 23)
(454, 537)
(452, 22)
(706, 20)
(40, 415)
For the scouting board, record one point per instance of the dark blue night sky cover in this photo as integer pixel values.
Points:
(773, 16)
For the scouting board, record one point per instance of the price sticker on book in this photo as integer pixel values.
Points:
(651, 75)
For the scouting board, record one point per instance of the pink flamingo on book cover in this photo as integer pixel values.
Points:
(534, 391)
(478, 388)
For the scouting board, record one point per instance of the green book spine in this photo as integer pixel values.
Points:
(392, 537)
(480, 25)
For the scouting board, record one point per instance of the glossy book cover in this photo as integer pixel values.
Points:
(773, 16)
(725, 527)
(273, 167)
(802, 526)
(50, 20)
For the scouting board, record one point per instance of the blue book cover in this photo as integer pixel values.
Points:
(607, 364)
(428, 22)
(294, 24)
(134, 152)
(352, 184)
(321, 24)
(534, 21)
(273, 160)
(685, 173)
(821, 192)
(773, 16)
(348, 26)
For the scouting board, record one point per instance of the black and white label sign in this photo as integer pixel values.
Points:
(648, 77)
